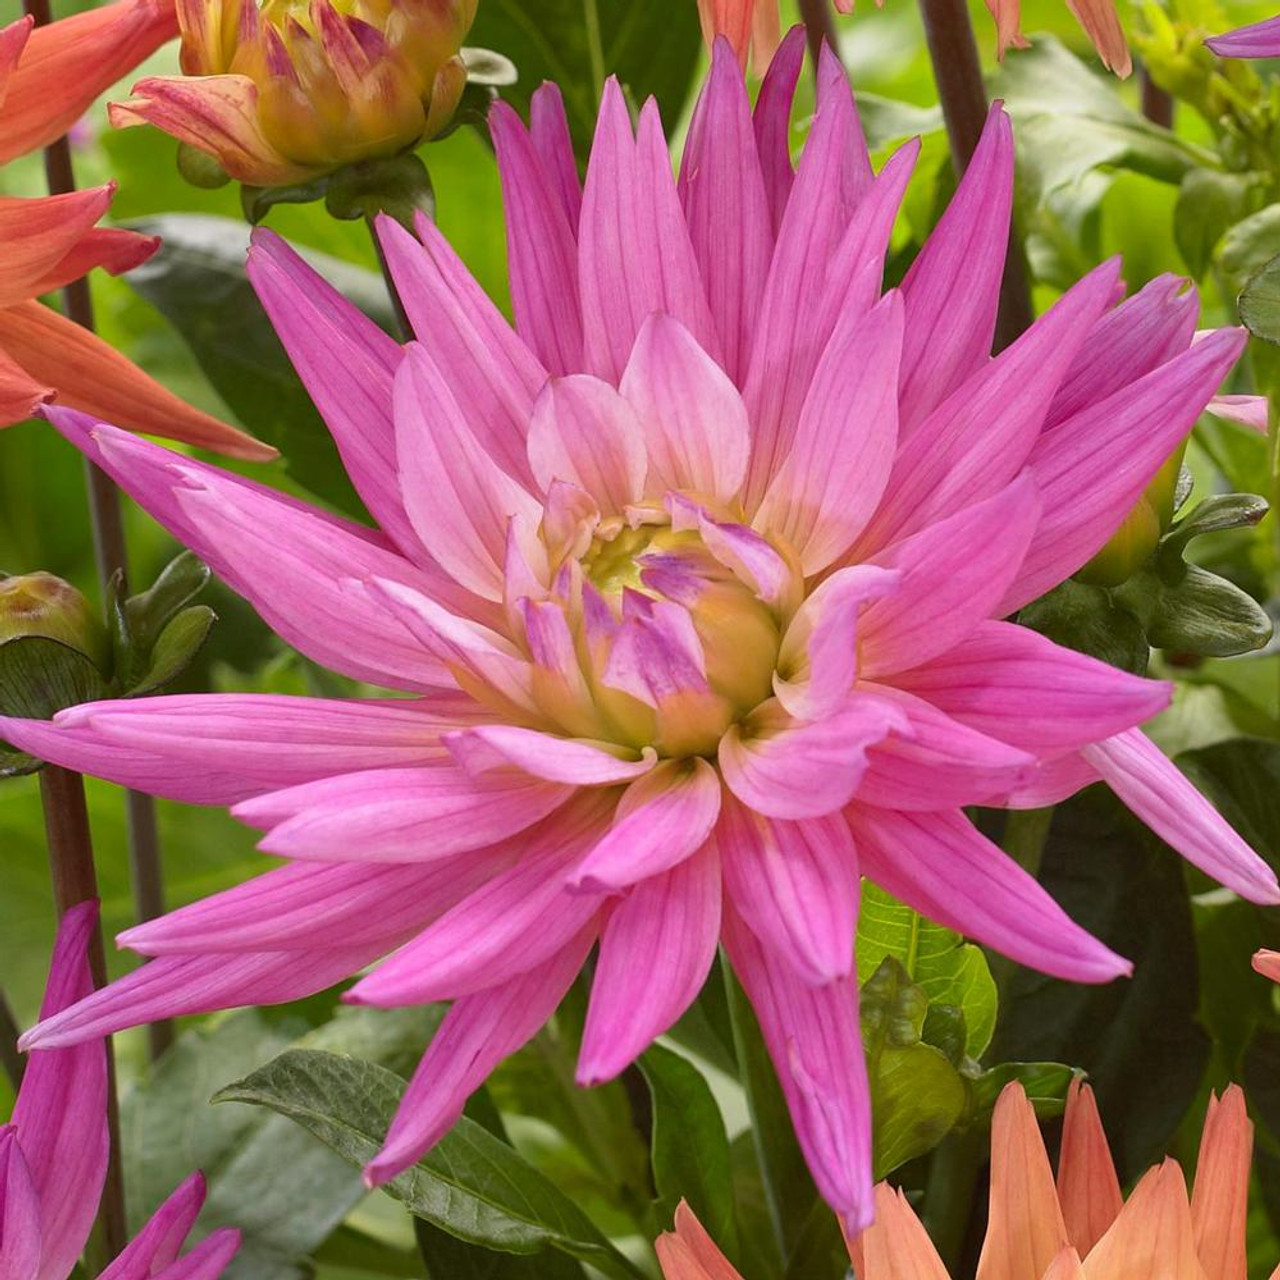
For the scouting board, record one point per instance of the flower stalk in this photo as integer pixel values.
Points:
(12, 1061)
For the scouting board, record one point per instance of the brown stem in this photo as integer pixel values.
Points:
(958, 75)
(1157, 104)
(66, 822)
(14, 1063)
(110, 557)
(402, 318)
(819, 26)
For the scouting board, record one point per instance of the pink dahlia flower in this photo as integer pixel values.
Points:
(698, 576)
(53, 1155)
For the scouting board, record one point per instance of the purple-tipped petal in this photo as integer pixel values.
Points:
(672, 920)
(1151, 785)
(943, 867)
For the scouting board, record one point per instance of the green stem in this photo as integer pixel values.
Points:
(14, 1062)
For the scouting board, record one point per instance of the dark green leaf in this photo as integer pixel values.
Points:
(1209, 202)
(1260, 302)
(40, 677)
(180, 581)
(470, 1184)
(1221, 511)
(1089, 620)
(1205, 614)
(176, 648)
(690, 1145)
(448, 1258)
(1046, 1085)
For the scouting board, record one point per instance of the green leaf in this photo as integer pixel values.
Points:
(1046, 1085)
(949, 970)
(690, 1145)
(651, 48)
(40, 677)
(198, 282)
(1209, 203)
(176, 648)
(1260, 302)
(1221, 511)
(178, 583)
(1207, 615)
(470, 1184)
(449, 1258)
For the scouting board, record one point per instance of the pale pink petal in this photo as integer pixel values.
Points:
(559, 685)
(753, 559)
(569, 760)
(1014, 684)
(771, 121)
(830, 484)
(399, 815)
(815, 1040)
(954, 574)
(635, 256)
(818, 660)
(60, 1113)
(1150, 784)
(796, 885)
(723, 193)
(542, 250)
(493, 374)
(952, 290)
(656, 950)
(20, 1234)
(1092, 469)
(661, 820)
(1248, 411)
(693, 420)
(789, 768)
(549, 129)
(584, 433)
(476, 1034)
(944, 868)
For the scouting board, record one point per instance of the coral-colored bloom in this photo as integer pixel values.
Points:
(298, 88)
(1079, 1229)
(698, 574)
(53, 1155)
(1267, 963)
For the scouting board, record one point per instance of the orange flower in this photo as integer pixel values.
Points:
(750, 26)
(47, 77)
(1077, 1228)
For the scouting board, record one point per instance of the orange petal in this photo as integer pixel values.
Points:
(217, 114)
(1088, 1188)
(13, 39)
(1101, 24)
(1153, 1238)
(89, 374)
(20, 395)
(1008, 16)
(895, 1246)
(689, 1253)
(1066, 1266)
(766, 35)
(112, 249)
(1025, 1230)
(68, 63)
(731, 19)
(38, 234)
(1267, 963)
(1220, 1201)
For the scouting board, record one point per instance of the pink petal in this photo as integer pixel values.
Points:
(1257, 40)
(584, 433)
(818, 660)
(207, 1261)
(723, 193)
(560, 688)
(1150, 784)
(657, 656)
(512, 922)
(476, 1034)
(347, 364)
(753, 559)
(692, 418)
(399, 815)
(954, 574)
(1248, 411)
(830, 484)
(772, 122)
(815, 1040)
(1092, 469)
(1015, 685)
(61, 1111)
(19, 1212)
(788, 768)
(542, 250)
(656, 950)
(796, 886)
(569, 760)
(952, 290)
(942, 867)
(549, 129)
(635, 256)
(161, 1239)
(494, 376)
(1053, 782)
(661, 820)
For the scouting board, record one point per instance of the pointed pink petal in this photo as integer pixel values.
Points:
(492, 373)
(60, 1113)
(584, 433)
(476, 1034)
(1014, 684)
(944, 868)
(954, 573)
(1257, 40)
(788, 768)
(1248, 411)
(660, 821)
(830, 484)
(815, 1040)
(549, 129)
(1053, 782)
(723, 193)
(1267, 963)
(635, 256)
(1150, 784)
(772, 122)
(161, 1239)
(1092, 469)
(753, 559)
(542, 250)
(207, 1261)
(569, 760)
(693, 420)
(656, 950)
(796, 886)
(953, 288)
(20, 1233)
(458, 499)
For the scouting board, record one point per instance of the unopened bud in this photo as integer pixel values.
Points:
(39, 604)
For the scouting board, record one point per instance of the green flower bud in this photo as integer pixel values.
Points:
(39, 604)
